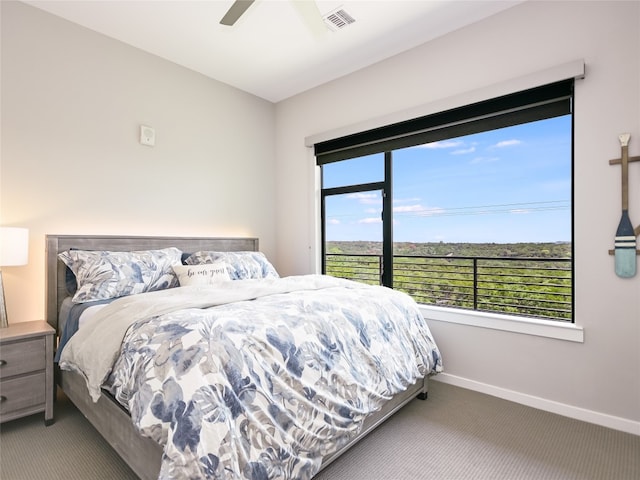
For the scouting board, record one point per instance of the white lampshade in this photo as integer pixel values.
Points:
(14, 246)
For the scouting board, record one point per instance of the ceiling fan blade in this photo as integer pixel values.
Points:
(311, 15)
(235, 12)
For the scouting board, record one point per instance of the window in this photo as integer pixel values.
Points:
(468, 208)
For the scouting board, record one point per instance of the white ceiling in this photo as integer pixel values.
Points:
(270, 52)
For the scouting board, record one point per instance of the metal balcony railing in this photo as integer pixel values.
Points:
(532, 287)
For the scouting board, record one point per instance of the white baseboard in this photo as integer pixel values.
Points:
(602, 419)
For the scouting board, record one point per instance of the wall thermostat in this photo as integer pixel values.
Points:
(147, 135)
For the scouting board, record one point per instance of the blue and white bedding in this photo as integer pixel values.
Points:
(72, 316)
(254, 379)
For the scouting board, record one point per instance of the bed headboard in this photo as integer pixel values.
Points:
(55, 269)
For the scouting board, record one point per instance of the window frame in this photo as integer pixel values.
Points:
(541, 102)
(545, 101)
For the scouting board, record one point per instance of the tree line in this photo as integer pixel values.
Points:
(526, 250)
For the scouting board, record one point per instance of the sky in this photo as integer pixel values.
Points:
(503, 186)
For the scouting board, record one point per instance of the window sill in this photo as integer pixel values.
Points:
(508, 323)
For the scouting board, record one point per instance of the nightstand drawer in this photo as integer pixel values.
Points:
(22, 357)
(22, 392)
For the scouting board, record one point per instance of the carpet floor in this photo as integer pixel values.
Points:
(457, 434)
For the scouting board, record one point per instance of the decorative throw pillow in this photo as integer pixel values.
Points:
(104, 274)
(241, 265)
(209, 274)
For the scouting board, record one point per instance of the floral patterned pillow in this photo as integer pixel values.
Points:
(240, 265)
(102, 275)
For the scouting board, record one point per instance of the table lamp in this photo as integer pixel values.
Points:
(14, 251)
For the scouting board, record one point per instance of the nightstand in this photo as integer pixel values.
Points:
(26, 370)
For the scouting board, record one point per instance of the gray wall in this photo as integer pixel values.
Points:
(598, 379)
(72, 104)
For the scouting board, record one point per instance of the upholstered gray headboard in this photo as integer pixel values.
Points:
(55, 274)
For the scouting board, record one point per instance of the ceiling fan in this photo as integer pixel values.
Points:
(307, 9)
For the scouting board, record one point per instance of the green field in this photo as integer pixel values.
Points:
(526, 279)
(526, 250)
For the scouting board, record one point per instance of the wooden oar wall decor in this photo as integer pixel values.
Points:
(625, 243)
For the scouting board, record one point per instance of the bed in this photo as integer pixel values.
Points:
(346, 420)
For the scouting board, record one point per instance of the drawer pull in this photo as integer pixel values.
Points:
(3, 363)
(3, 398)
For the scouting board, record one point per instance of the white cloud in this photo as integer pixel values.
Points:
(418, 210)
(519, 211)
(442, 144)
(431, 211)
(463, 151)
(408, 208)
(366, 198)
(370, 220)
(507, 143)
(334, 221)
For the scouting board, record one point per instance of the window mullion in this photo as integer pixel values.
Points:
(387, 223)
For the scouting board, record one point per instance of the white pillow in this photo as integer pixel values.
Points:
(209, 274)
(242, 265)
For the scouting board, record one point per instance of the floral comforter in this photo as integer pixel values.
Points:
(265, 386)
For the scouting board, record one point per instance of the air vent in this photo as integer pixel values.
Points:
(338, 19)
